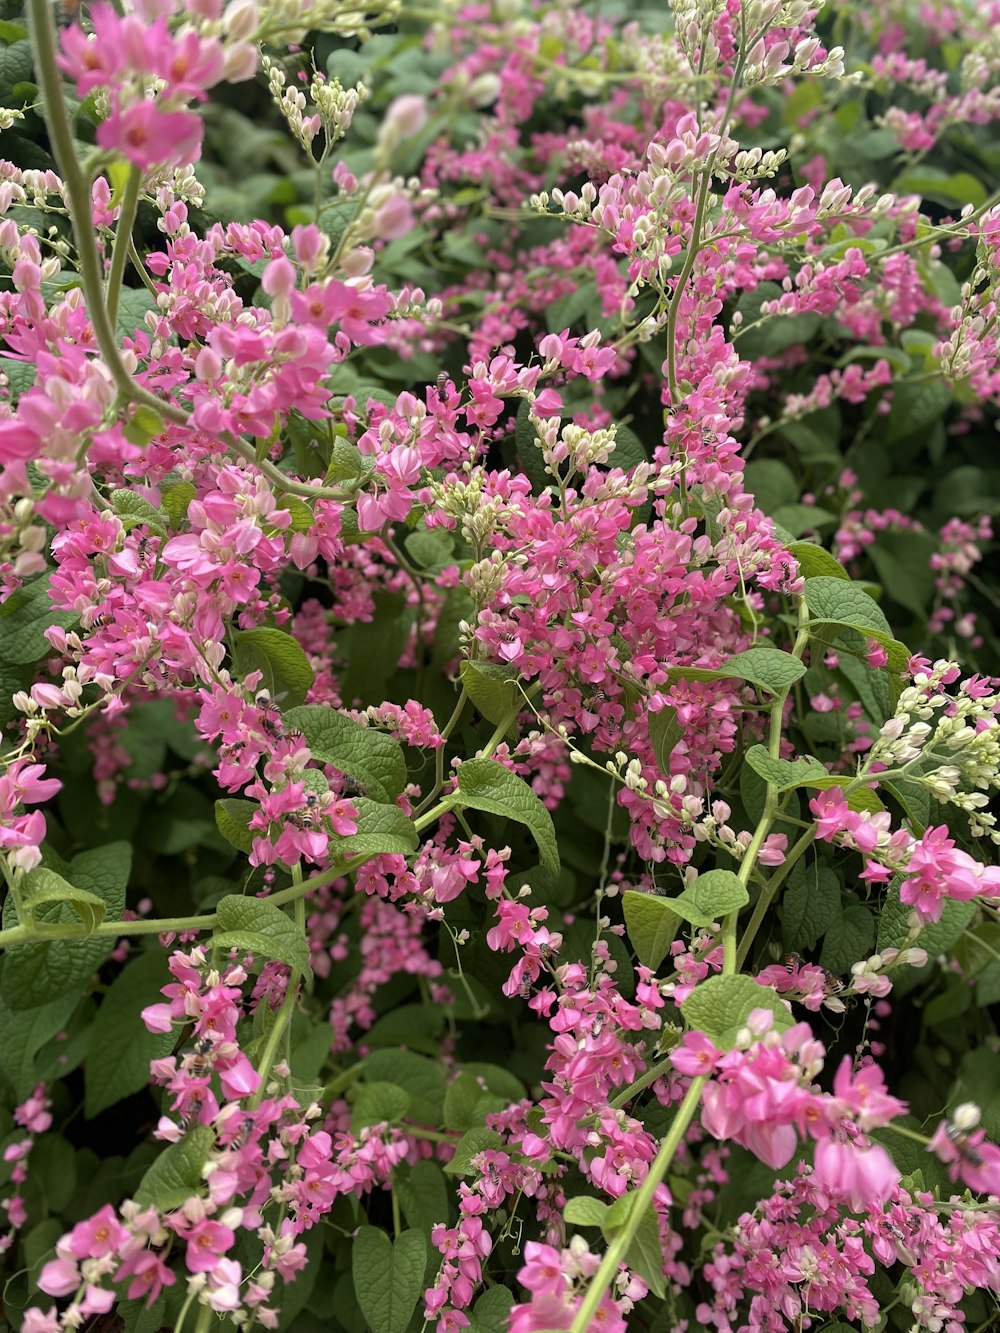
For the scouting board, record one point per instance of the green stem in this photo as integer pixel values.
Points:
(204, 1319)
(655, 1071)
(284, 1015)
(617, 1250)
(908, 1133)
(768, 892)
(123, 241)
(57, 122)
(619, 1246)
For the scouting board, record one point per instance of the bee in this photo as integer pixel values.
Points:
(526, 989)
(143, 547)
(546, 952)
(833, 984)
(270, 720)
(232, 751)
(100, 620)
(793, 961)
(242, 1135)
(199, 1062)
(351, 786)
(302, 819)
(960, 1139)
(442, 381)
(190, 1117)
(68, 11)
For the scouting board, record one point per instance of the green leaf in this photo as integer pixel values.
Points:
(484, 784)
(871, 687)
(24, 618)
(498, 1080)
(388, 1277)
(720, 1006)
(629, 450)
(471, 1144)
(253, 925)
(432, 549)
(652, 921)
(370, 757)
(381, 829)
(176, 1175)
(810, 905)
(709, 898)
(20, 376)
(424, 1195)
(371, 649)
(139, 1316)
(467, 1103)
(134, 303)
(285, 670)
(121, 1046)
(651, 925)
(849, 939)
(771, 483)
(902, 564)
(583, 1211)
(25, 1032)
(768, 668)
(135, 512)
(492, 1311)
(937, 937)
(39, 1247)
(15, 67)
(53, 1171)
(665, 734)
(36, 973)
(644, 1253)
(814, 561)
(831, 601)
(176, 498)
(767, 335)
(232, 819)
(43, 886)
(786, 774)
(421, 1078)
(494, 689)
(529, 451)
(798, 518)
(951, 189)
(379, 1103)
(977, 1082)
(300, 513)
(840, 603)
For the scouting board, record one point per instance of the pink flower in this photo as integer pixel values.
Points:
(696, 1055)
(150, 137)
(866, 1177)
(205, 1243)
(99, 1235)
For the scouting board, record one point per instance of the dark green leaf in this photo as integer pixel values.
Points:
(388, 1277)
(176, 1175)
(284, 667)
(232, 819)
(370, 757)
(121, 1046)
(485, 784)
(720, 1006)
(253, 925)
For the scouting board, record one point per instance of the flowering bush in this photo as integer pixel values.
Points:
(496, 810)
